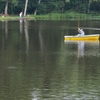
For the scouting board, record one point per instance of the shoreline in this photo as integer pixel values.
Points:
(54, 16)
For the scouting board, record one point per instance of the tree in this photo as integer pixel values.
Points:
(35, 12)
(6, 8)
(25, 7)
(47, 6)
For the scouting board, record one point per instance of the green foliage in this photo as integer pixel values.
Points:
(51, 6)
(48, 6)
(2, 5)
(95, 6)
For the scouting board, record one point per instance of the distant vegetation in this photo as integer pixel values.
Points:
(70, 15)
(51, 9)
(41, 7)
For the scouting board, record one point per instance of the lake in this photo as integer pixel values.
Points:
(37, 64)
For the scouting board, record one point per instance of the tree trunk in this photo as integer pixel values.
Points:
(35, 12)
(6, 8)
(25, 7)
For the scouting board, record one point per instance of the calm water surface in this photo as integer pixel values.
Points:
(37, 64)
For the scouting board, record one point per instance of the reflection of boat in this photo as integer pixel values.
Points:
(85, 37)
(80, 49)
(87, 47)
(86, 41)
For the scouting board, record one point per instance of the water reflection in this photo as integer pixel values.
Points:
(36, 63)
(21, 26)
(6, 28)
(83, 62)
(26, 35)
(85, 45)
(80, 49)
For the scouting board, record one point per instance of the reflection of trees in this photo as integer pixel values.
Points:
(21, 26)
(9, 61)
(41, 40)
(51, 69)
(26, 35)
(6, 28)
(79, 74)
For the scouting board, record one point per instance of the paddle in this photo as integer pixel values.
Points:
(78, 21)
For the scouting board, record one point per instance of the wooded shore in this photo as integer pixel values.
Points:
(55, 16)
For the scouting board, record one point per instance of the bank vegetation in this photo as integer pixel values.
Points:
(50, 9)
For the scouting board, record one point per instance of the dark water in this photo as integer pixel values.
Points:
(37, 64)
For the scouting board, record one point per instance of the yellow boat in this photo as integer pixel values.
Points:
(85, 37)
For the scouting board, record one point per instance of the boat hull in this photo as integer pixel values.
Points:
(85, 37)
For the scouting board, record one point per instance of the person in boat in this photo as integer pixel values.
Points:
(81, 32)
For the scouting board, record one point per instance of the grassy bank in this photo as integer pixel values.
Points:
(69, 16)
(15, 18)
(57, 16)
